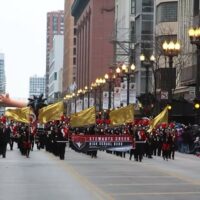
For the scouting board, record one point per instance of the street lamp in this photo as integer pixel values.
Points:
(127, 71)
(87, 90)
(74, 96)
(109, 78)
(194, 34)
(147, 65)
(170, 50)
(100, 82)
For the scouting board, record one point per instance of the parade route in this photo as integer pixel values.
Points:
(107, 177)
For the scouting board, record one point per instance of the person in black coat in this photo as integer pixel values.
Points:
(61, 142)
(4, 139)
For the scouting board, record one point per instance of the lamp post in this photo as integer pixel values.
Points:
(94, 86)
(87, 90)
(127, 71)
(74, 96)
(194, 34)
(170, 50)
(109, 78)
(100, 82)
(147, 65)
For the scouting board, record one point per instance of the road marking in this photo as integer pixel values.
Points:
(174, 174)
(142, 184)
(154, 193)
(100, 194)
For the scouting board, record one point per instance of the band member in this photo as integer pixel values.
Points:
(4, 139)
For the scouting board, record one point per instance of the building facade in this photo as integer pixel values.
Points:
(36, 86)
(95, 24)
(143, 30)
(55, 26)
(2, 79)
(70, 60)
(56, 68)
(123, 36)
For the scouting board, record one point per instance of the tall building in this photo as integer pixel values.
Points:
(95, 24)
(144, 21)
(2, 79)
(56, 68)
(69, 66)
(55, 26)
(123, 36)
(36, 86)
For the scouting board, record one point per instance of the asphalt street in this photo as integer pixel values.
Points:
(107, 177)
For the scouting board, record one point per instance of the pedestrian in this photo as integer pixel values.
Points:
(4, 139)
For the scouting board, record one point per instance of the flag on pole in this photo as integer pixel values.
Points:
(122, 115)
(160, 118)
(51, 112)
(19, 114)
(83, 118)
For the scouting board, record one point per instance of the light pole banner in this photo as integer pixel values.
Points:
(117, 97)
(123, 96)
(105, 100)
(132, 93)
(85, 102)
(79, 105)
(72, 107)
(91, 102)
(112, 100)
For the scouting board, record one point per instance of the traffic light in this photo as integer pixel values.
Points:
(196, 104)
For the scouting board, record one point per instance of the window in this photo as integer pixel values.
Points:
(75, 31)
(147, 5)
(147, 27)
(132, 32)
(74, 51)
(196, 7)
(74, 41)
(74, 60)
(167, 12)
(55, 76)
(132, 6)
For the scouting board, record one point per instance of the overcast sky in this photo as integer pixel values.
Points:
(23, 41)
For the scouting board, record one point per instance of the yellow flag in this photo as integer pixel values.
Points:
(83, 118)
(122, 115)
(51, 112)
(162, 117)
(19, 114)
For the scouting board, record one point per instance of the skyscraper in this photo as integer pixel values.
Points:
(70, 60)
(36, 86)
(55, 26)
(2, 79)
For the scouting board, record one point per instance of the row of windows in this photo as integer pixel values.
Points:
(53, 77)
(167, 12)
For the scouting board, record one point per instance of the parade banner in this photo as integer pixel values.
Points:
(84, 143)
(19, 114)
(162, 117)
(51, 112)
(83, 118)
(122, 115)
